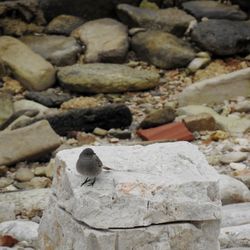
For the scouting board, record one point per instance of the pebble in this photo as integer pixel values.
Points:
(23, 174)
(36, 182)
(40, 171)
(100, 131)
(233, 157)
(85, 138)
(237, 166)
(5, 181)
(120, 134)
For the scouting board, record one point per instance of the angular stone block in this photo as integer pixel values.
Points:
(160, 196)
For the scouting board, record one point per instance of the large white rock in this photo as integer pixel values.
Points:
(150, 187)
(206, 91)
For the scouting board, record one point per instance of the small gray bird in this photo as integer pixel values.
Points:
(89, 165)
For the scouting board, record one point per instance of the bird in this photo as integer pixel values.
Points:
(89, 165)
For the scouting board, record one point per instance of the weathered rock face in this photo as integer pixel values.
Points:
(106, 78)
(63, 25)
(223, 37)
(28, 67)
(58, 50)
(173, 20)
(106, 40)
(86, 9)
(229, 85)
(130, 195)
(214, 10)
(162, 49)
(28, 142)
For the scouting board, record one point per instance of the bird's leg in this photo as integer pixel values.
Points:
(87, 180)
(92, 183)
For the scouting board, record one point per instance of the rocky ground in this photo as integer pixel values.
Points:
(146, 74)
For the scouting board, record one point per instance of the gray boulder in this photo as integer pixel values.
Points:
(214, 10)
(162, 49)
(59, 50)
(223, 37)
(171, 20)
(106, 78)
(106, 40)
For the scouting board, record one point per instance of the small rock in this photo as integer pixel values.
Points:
(244, 176)
(100, 131)
(40, 171)
(63, 24)
(106, 40)
(198, 63)
(30, 141)
(7, 241)
(5, 181)
(237, 166)
(85, 138)
(233, 191)
(200, 122)
(219, 135)
(23, 174)
(158, 117)
(233, 157)
(120, 134)
(114, 140)
(26, 104)
(36, 182)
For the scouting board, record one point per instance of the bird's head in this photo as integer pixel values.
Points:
(88, 152)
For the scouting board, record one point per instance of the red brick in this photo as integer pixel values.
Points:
(173, 131)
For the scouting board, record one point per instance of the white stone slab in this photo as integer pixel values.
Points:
(159, 183)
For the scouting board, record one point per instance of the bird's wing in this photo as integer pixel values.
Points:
(99, 162)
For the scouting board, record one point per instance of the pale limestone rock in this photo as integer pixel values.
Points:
(233, 191)
(230, 124)
(147, 187)
(24, 143)
(228, 85)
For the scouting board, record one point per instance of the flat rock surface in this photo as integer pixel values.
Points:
(27, 142)
(106, 78)
(159, 183)
(235, 214)
(106, 40)
(206, 91)
(34, 72)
